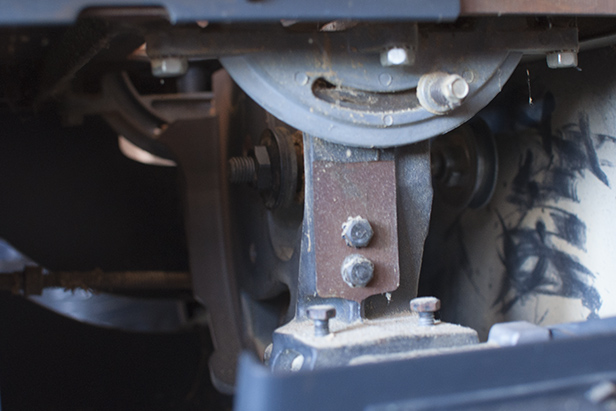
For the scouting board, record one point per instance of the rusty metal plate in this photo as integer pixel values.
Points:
(342, 190)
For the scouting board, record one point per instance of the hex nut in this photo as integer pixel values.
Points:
(440, 92)
(397, 56)
(263, 168)
(562, 59)
(321, 312)
(357, 232)
(169, 66)
(425, 304)
(357, 270)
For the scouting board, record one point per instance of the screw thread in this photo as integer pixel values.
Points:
(426, 318)
(241, 170)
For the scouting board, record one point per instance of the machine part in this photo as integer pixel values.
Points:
(601, 392)
(562, 59)
(169, 67)
(473, 379)
(67, 11)
(465, 165)
(357, 270)
(440, 93)
(33, 280)
(517, 332)
(426, 307)
(364, 183)
(397, 56)
(542, 250)
(320, 315)
(366, 342)
(272, 167)
(357, 232)
(310, 81)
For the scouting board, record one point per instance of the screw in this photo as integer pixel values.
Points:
(321, 314)
(397, 56)
(357, 270)
(169, 66)
(357, 232)
(426, 307)
(562, 59)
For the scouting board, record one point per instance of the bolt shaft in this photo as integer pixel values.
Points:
(321, 328)
(241, 170)
(426, 318)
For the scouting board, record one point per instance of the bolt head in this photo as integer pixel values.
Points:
(397, 56)
(455, 88)
(169, 66)
(562, 59)
(321, 312)
(357, 270)
(425, 304)
(357, 232)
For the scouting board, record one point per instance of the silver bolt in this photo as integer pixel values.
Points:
(321, 315)
(426, 307)
(454, 88)
(357, 232)
(357, 270)
(440, 93)
(397, 56)
(562, 59)
(169, 66)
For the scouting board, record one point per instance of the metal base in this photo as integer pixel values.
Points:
(296, 347)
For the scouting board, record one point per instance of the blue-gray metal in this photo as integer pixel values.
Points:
(549, 375)
(34, 12)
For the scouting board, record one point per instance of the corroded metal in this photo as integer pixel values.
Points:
(367, 189)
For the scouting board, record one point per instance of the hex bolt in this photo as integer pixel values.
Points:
(169, 66)
(454, 88)
(357, 270)
(397, 56)
(440, 92)
(255, 169)
(562, 59)
(426, 307)
(357, 232)
(320, 315)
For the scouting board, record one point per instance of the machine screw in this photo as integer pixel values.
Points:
(426, 307)
(321, 314)
(241, 170)
(357, 270)
(169, 66)
(440, 93)
(357, 232)
(562, 59)
(397, 56)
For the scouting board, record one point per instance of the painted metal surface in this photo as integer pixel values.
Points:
(66, 11)
(342, 190)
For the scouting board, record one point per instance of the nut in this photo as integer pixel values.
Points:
(357, 270)
(263, 168)
(441, 92)
(397, 56)
(357, 232)
(562, 59)
(425, 304)
(321, 312)
(169, 66)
